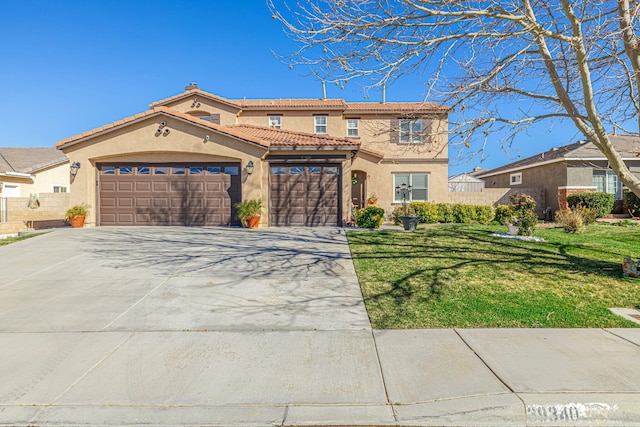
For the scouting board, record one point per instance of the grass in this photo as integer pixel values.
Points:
(9, 240)
(458, 275)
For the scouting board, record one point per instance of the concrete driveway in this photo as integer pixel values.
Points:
(234, 327)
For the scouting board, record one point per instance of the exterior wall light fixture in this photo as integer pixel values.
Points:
(74, 168)
(250, 167)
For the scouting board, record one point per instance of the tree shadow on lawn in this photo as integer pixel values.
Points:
(449, 251)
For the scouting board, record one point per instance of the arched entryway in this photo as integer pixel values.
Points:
(359, 189)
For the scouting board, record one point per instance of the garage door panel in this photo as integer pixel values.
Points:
(160, 187)
(124, 186)
(140, 198)
(107, 187)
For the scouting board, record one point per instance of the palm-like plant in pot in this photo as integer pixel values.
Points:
(76, 215)
(249, 212)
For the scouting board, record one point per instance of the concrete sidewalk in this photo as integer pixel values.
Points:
(205, 326)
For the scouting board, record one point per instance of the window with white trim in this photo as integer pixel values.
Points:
(606, 181)
(320, 124)
(353, 130)
(275, 122)
(411, 131)
(515, 178)
(60, 189)
(419, 183)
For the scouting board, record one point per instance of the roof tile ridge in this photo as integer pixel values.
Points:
(8, 162)
(293, 132)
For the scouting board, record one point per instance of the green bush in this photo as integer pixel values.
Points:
(445, 213)
(504, 214)
(633, 203)
(428, 211)
(463, 214)
(370, 217)
(602, 203)
(524, 211)
(484, 214)
(399, 212)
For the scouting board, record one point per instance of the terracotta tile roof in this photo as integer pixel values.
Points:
(294, 104)
(310, 104)
(627, 146)
(372, 152)
(394, 107)
(194, 92)
(285, 138)
(265, 137)
(29, 159)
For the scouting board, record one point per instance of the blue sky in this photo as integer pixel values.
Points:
(68, 66)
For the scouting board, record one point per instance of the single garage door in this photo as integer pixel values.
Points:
(305, 195)
(168, 194)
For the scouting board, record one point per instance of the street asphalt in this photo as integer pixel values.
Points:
(236, 327)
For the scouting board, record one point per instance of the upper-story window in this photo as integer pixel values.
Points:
(353, 126)
(515, 178)
(320, 124)
(275, 122)
(411, 131)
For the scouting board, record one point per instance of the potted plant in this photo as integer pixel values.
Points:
(409, 222)
(248, 212)
(76, 215)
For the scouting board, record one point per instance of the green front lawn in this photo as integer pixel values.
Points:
(458, 275)
(8, 240)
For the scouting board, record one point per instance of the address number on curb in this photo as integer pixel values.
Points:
(570, 412)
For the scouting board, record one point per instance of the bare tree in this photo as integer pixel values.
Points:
(502, 65)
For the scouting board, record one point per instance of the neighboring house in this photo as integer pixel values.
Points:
(568, 170)
(192, 156)
(465, 182)
(25, 171)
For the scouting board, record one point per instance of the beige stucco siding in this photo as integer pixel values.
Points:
(379, 179)
(138, 143)
(42, 181)
(195, 104)
(296, 121)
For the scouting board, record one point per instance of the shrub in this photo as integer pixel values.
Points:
(399, 212)
(484, 214)
(445, 213)
(572, 220)
(588, 215)
(371, 217)
(504, 214)
(602, 203)
(428, 211)
(523, 207)
(77, 210)
(463, 214)
(633, 203)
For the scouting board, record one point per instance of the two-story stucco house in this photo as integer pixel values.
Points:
(189, 158)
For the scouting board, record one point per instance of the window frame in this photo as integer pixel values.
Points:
(356, 128)
(54, 186)
(515, 178)
(412, 135)
(618, 192)
(275, 118)
(320, 125)
(397, 199)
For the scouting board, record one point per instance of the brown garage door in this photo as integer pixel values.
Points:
(169, 194)
(305, 195)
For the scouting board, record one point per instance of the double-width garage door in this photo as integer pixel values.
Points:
(305, 195)
(168, 194)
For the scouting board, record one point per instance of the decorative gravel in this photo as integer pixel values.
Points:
(527, 238)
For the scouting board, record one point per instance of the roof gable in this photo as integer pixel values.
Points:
(628, 146)
(262, 136)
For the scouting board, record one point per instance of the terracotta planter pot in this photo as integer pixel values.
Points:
(253, 221)
(77, 221)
